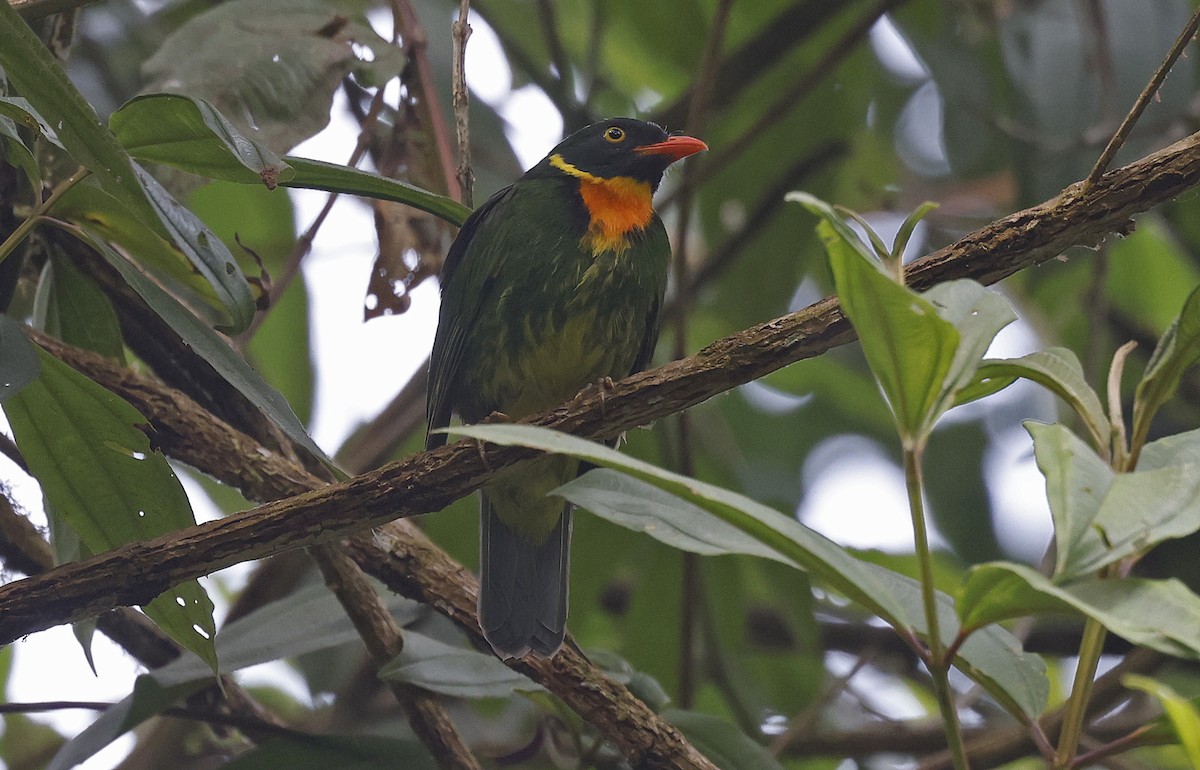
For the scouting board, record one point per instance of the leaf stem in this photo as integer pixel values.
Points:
(14, 239)
(939, 662)
(1090, 648)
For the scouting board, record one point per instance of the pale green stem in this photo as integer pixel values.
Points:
(23, 229)
(939, 666)
(1090, 647)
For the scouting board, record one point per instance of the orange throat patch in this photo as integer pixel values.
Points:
(617, 207)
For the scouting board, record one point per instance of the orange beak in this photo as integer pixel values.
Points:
(675, 147)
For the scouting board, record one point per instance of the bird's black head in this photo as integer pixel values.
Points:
(618, 148)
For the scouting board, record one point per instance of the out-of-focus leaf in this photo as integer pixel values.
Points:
(1177, 351)
(39, 78)
(343, 752)
(1102, 517)
(1182, 713)
(272, 66)
(728, 747)
(1057, 369)
(190, 134)
(319, 175)
(84, 445)
(1161, 614)
(214, 350)
(19, 362)
(449, 670)
(307, 620)
(147, 699)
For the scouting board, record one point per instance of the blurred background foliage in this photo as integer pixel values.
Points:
(985, 106)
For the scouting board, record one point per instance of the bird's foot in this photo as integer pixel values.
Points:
(491, 419)
(601, 388)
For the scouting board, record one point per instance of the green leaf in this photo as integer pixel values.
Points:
(35, 73)
(14, 150)
(92, 209)
(643, 507)
(213, 349)
(994, 657)
(335, 752)
(728, 747)
(1182, 713)
(19, 362)
(79, 313)
(904, 234)
(1076, 481)
(190, 134)
(21, 112)
(308, 620)
(921, 348)
(207, 253)
(1161, 614)
(319, 175)
(96, 467)
(1178, 350)
(1057, 369)
(455, 671)
(1101, 517)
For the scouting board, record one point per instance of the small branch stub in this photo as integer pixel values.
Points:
(462, 31)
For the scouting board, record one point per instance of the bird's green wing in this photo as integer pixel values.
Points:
(656, 243)
(464, 276)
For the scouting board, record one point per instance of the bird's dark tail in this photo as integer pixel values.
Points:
(523, 591)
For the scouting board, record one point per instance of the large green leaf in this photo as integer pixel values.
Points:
(19, 362)
(190, 134)
(1101, 517)
(213, 349)
(39, 78)
(1161, 614)
(76, 311)
(686, 519)
(97, 468)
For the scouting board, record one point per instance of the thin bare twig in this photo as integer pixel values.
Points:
(462, 102)
(1143, 100)
(691, 595)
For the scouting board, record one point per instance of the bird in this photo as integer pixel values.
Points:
(554, 284)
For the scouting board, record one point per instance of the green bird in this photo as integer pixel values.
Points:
(555, 283)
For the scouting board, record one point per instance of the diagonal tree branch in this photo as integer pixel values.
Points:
(135, 573)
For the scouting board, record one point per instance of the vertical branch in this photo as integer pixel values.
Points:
(462, 102)
(697, 112)
(428, 103)
(383, 640)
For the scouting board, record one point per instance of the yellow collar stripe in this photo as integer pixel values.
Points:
(561, 164)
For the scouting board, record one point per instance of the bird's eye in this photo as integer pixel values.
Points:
(614, 134)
